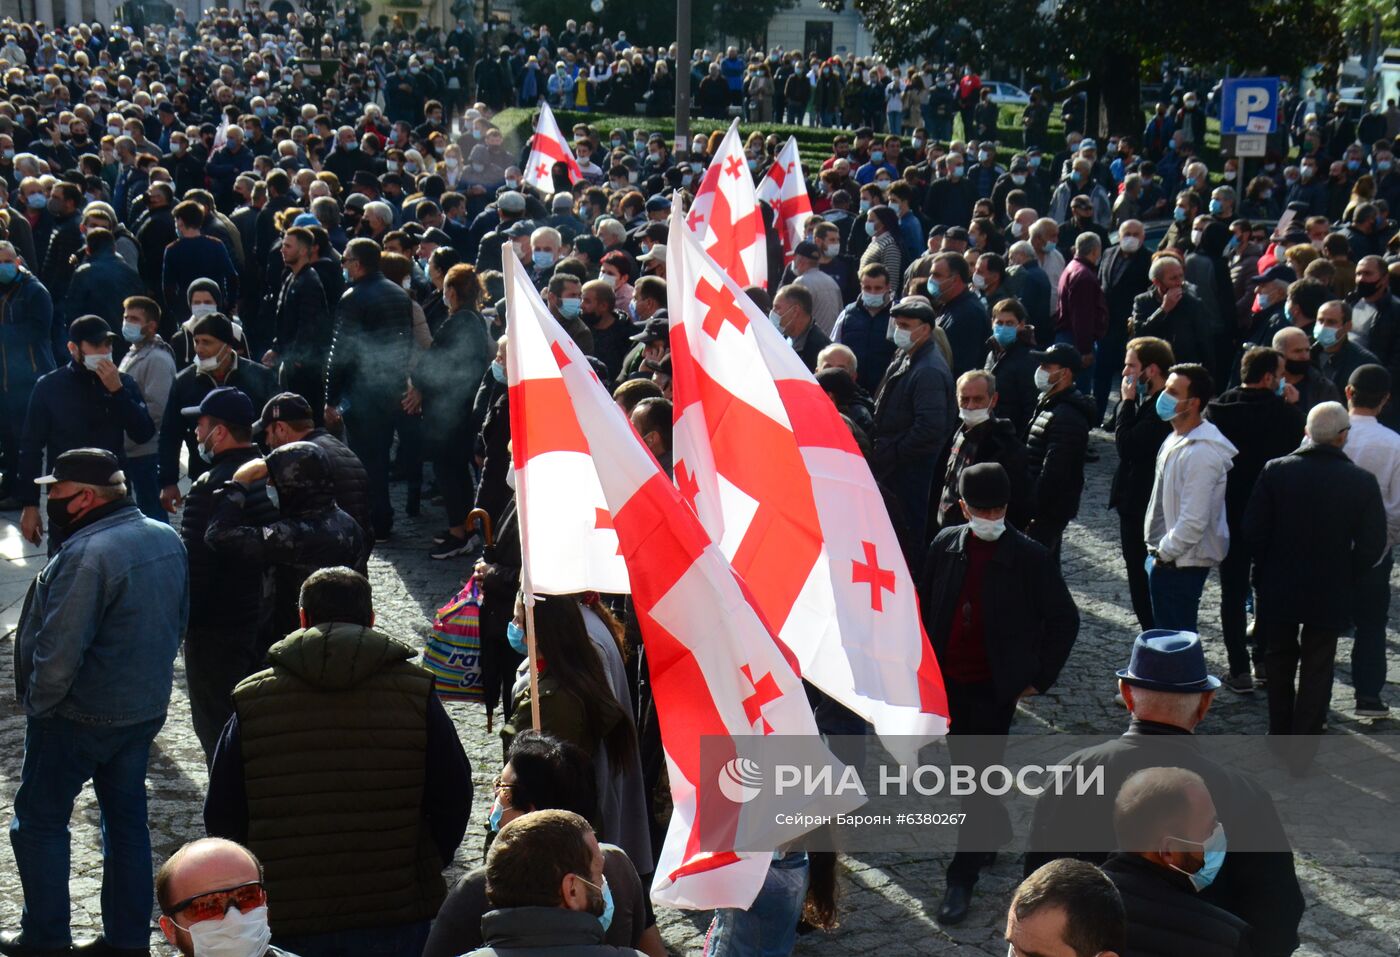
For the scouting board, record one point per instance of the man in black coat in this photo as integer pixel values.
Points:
(949, 200)
(1262, 426)
(1167, 311)
(1335, 354)
(1123, 274)
(1165, 822)
(1376, 323)
(1167, 690)
(366, 373)
(963, 315)
(221, 643)
(301, 333)
(216, 364)
(1315, 525)
(1009, 359)
(1029, 283)
(287, 418)
(982, 437)
(1056, 443)
(1001, 623)
(1138, 433)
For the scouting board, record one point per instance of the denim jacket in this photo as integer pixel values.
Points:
(103, 622)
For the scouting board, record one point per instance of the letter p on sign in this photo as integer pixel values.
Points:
(1250, 100)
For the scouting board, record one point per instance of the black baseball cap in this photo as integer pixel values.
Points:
(283, 407)
(88, 466)
(226, 404)
(90, 329)
(1060, 354)
(657, 327)
(807, 250)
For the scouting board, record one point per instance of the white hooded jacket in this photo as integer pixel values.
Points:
(1186, 515)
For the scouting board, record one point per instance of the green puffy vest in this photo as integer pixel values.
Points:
(334, 759)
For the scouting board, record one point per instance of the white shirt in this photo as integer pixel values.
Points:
(1376, 449)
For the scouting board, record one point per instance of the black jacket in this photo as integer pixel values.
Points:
(1030, 619)
(1014, 369)
(1185, 328)
(311, 534)
(812, 345)
(965, 321)
(350, 480)
(187, 391)
(995, 440)
(1314, 525)
(1166, 918)
(915, 412)
(224, 593)
(1137, 434)
(1382, 336)
(1262, 427)
(1124, 278)
(1341, 364)
(369, 352)
(1055, 445)
(448, 375)
(1259, 887)
(302, 335)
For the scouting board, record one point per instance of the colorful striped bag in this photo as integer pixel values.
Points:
(453, 651)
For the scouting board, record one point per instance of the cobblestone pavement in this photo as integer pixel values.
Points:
(888, 899)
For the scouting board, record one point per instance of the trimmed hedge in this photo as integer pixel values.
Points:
(814, 143)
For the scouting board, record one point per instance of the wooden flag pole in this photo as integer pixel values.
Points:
(530, 657)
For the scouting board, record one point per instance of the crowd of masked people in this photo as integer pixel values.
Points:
(238, 300)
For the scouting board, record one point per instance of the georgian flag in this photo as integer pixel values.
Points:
(785, 190)
(548, 147)
(725, 215)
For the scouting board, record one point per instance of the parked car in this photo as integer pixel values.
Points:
(1006, 94)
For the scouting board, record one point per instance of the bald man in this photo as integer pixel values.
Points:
(207, 882)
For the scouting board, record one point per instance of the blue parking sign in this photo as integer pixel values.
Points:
(1249, 104)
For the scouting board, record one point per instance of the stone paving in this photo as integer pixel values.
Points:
(888, 899)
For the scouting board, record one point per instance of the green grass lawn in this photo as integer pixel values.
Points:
(814, 143)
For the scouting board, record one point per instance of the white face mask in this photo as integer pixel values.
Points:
(987, 529)
(1042, 380)
(1130, 244)
(974, 416)
(510, 478)
(93, 360)
(237, 935)
(203, 309)
(207, 365)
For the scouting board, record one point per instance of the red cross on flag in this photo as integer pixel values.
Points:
(779, 482)
(715, 667)
(547, 148)
(726, 217)
(786, 191)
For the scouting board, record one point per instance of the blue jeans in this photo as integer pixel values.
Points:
(1370, 608)
(144, 484)
(769, 927)
(401, 940)
(60, 756)
(895, 119)
(1084, 378)
(1176, 595)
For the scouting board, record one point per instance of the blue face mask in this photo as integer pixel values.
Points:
(1326, 336)
(274, 497)
(498, 372)
(494, 821)
(346, 273)
(1190, 181)
(516, 636)
(1166, 406)
(933, 287)
(542, 259)
(1262, 300)
(8, 272)
(877, 156)
(1216, 207)
(1353, 165)
(1282, 384)
(1004, 335)
(1179, 214)
(131, 332)
(1214, 848)
(869, 226)
(606, 917)
(1075, 176)
(1049, 247)
(570, 307)
(872, 301)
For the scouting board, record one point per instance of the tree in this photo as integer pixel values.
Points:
(1104, 45)
(651, 23)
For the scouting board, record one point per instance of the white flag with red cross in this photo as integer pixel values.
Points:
(725, 214)
(785, 189)
(548, 147)
(716, 670)
(768, 465)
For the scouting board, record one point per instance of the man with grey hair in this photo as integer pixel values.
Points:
(1027, 281)
(378, 220)
(1336, 354)
(1315, 525)
(1082, 317)
(94, 664)
(1171, 312)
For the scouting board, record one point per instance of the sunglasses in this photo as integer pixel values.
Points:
(212, 905)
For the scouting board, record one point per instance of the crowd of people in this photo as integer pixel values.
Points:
(240, 297)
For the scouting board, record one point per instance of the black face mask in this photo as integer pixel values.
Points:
(1297, 366)
(57, 509)
(1367, 288)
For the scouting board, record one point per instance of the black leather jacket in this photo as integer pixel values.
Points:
(373, 335)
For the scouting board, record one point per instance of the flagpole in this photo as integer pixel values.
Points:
(530, 652)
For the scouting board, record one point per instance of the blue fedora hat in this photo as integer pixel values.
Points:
(1169, 661)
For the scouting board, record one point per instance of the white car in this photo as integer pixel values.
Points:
(1006, 94)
